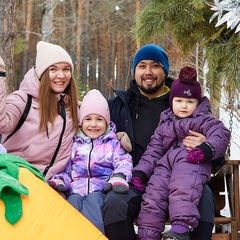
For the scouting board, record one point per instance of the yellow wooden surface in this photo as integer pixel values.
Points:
(46, 215)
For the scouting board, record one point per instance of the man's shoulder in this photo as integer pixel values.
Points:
(168, 81)
(121, 96)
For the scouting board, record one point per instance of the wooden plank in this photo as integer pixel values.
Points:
(221, 236)
(223, 220)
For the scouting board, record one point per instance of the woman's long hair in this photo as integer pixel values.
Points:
(48, 103)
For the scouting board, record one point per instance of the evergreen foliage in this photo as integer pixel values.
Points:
(189, 21)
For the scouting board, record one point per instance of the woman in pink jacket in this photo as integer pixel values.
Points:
(52, 120)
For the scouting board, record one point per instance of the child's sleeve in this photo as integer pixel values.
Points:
(2, 149)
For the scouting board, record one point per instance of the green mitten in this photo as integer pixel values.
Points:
(10, 190)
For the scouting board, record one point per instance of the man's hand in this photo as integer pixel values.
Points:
(194, 140)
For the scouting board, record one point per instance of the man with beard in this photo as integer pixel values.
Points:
(136, 112)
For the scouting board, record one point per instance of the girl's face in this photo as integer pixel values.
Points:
(184, 107)
(94, 126)
(60, 75)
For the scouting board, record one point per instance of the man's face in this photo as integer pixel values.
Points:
(150, 76)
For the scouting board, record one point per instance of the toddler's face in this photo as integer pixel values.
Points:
(184, 107)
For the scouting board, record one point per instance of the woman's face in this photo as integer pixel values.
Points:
(60, 75)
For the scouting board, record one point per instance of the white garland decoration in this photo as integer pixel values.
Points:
(226, 11)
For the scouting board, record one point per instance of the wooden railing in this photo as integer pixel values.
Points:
(229, 174)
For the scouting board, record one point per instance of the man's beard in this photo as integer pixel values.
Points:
(151, 90)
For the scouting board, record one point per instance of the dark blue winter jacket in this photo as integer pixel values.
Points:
(137, 115)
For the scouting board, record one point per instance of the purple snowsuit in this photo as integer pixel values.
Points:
(175, 186)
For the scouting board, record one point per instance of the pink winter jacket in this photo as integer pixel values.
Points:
(28, 143)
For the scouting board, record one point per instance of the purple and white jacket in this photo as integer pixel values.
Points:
(93, 162)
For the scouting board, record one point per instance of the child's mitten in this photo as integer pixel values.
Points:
(138, 184)
(57, 184)
(117, 183)
(200, 154)
(139, 180)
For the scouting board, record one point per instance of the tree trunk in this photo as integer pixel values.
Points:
(8, 38)
(47, 25)
(27, 23)
(84, 63)
(78, 41)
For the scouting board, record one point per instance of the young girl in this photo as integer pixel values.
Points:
(98, 161)
(178, 175)
(52, 120)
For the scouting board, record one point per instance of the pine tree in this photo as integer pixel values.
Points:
(189, 21)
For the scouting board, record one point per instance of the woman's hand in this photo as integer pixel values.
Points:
(194, 140)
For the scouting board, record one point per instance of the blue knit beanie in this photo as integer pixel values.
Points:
(151, 52)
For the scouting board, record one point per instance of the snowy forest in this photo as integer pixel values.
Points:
(102, 36)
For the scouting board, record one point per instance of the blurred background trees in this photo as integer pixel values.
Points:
(95, 33)
(103, 35)
(213, 46)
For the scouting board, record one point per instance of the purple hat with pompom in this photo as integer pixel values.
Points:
(186, 86)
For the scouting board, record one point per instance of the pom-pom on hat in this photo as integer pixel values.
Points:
(49, 54)
(186, 86)
(94, 103)
(151, 52)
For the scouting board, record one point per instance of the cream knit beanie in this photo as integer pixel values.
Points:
(94, 103)
(49, 54)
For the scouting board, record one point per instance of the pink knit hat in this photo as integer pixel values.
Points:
(94, 103)
(49, 54)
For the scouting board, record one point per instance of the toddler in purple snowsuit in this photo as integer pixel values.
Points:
(177, 175)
